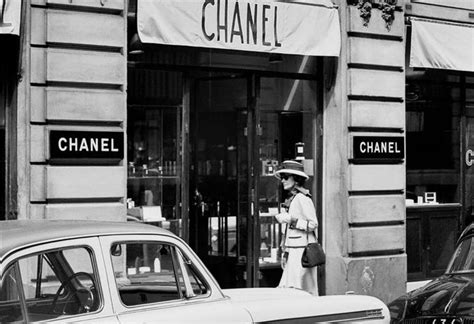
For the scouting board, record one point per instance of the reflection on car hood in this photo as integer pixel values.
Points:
(449, 294)
(265, 304)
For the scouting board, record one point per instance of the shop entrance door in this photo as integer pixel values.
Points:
(220, 176)
(241, 128)
(289, 128)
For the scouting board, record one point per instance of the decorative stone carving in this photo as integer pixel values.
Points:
(388, 14)
(367, 280)
(387, 8)
(365, 8)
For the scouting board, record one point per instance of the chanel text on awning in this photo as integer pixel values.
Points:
(245, 23)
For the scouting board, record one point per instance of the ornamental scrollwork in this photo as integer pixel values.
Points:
(388, 14)
(365, 8)
(386, 7)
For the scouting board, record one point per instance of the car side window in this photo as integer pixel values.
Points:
(463, 257)
(36, 284)
(10, 303)
(59, 282)
(147, 272)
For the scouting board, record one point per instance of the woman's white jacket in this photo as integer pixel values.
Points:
(303, 231)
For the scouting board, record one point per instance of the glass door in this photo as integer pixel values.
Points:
(219, 176)
(242, 127)
(286, 127)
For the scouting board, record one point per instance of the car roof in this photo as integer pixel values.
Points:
(17, 234)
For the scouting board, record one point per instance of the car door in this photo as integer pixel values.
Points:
(156, 278)
(57, 282)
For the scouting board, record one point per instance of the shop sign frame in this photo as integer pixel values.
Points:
(95, 147)
(373, 149)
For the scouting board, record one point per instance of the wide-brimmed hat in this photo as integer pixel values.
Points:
(291, 167)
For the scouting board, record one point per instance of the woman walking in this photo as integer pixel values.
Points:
(299, 218)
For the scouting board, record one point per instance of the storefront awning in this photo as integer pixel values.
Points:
(304, 28)
(442, 45)
(10, 13)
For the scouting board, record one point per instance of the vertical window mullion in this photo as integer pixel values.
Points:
(21, 293)
(184, 272)
(39, 275)
(174, 259)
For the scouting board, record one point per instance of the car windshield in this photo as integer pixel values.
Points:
(463, 258)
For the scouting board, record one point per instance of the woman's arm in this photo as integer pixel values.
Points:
(308, 221)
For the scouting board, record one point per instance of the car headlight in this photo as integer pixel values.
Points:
(397, 309)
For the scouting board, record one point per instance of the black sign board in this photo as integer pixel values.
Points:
(67, 145)
(379, 147)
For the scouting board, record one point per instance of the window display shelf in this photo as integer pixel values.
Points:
(428, 206)
(153, 177)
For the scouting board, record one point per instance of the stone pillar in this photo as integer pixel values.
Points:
(74, 79)
(363, 200)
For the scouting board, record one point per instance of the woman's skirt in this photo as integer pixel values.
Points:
(295, 276)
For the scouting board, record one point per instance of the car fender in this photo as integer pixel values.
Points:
(269, 304)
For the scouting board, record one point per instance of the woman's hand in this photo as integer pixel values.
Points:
(304, 225)
(283, 218)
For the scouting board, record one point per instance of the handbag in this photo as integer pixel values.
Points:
(313, 254)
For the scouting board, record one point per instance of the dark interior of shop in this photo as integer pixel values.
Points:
(9, 63)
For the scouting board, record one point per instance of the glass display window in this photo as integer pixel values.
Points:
(434, 106)
(154, 148)
(439, 181)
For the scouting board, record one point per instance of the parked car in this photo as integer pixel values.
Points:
(448, 299)
(89, 272)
